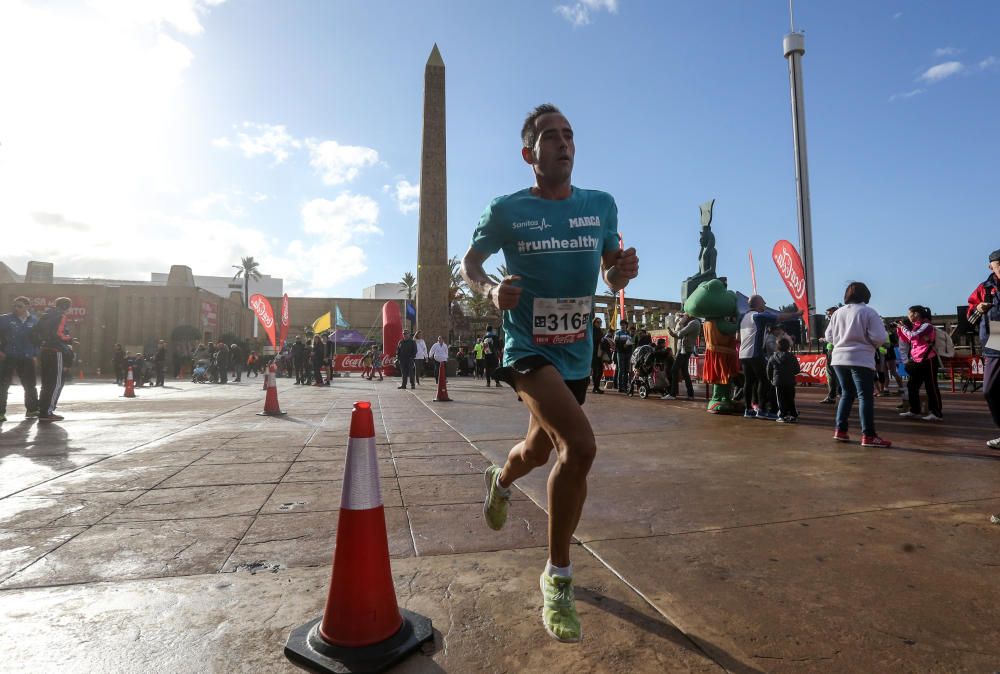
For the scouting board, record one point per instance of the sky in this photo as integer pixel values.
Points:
(136, 134)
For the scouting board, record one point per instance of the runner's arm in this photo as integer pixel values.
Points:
(503, 295)
(618, 267)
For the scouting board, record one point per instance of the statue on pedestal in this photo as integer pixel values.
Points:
(706, 256)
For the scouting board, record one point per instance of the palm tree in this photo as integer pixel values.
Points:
(409, 284)
(458, 289)
(247, 269)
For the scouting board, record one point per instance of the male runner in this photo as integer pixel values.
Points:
(555, 238)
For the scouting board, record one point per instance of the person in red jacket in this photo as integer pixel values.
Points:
(984, 310)
(54, 348)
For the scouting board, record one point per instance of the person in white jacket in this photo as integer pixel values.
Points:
(439, 354)
(421, 358)
(856, 331)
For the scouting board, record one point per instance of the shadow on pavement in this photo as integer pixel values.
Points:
(662, 629)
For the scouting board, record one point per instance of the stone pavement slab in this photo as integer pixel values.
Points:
(137, 550)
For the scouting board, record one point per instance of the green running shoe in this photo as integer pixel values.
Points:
(31, 414)
(3, 418)
(495, 506)
(559, 608)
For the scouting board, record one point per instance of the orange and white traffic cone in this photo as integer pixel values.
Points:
(442, 394)
(129, 384)
(362, 628)
(271, 408)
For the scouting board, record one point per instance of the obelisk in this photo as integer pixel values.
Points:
(433, 273)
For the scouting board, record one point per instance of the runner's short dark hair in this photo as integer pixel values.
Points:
(784, 344)
(857, 293)
(528, 133)
(22, 300)
(64, 303)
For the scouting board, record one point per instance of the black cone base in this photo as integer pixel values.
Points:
(306, 649)
(271, 414)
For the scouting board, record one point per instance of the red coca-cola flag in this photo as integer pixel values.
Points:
(265, 314)
(284, 319)
(789, 265)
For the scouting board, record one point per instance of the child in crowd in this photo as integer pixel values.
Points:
(781, 370)
(366, 364)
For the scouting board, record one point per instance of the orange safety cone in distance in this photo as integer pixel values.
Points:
(442, 394)
(271, 408)
(129, 384)
(362, 628)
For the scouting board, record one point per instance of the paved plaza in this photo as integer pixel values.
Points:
(180, 532)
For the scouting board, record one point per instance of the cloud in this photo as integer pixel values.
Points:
(262, 139)
(181, 15)
(407, 196)
(907, 94)
(988, 62)
(941, 72)
(579, 13)
(342, 218)
(947, 51)
(337, 163)
(897, 15)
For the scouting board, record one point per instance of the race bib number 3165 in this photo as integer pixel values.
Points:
(561, 320)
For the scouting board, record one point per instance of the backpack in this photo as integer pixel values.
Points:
(943, 345)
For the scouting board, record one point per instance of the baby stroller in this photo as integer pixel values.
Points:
(200, 373)
(649, 374)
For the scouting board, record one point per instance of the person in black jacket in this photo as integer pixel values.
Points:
(118, 362)
(299, 361)
(597, 364)
(406, 351)
(236, 360)
(54, 345)
(781, 370)
(222, 362)
(160, 362)
(318, 356)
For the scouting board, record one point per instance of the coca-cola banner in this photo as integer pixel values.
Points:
(351, 362)
(789, 265)
(813, 368)
(284, 319)
(265, 314)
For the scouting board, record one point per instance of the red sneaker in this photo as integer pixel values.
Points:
(841, 436)
(874, 441)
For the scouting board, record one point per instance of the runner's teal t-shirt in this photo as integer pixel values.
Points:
(555, 246)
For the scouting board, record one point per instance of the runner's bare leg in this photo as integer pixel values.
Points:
(560, 416)
(527, 455)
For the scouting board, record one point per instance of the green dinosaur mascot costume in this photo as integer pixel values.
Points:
(716, 306)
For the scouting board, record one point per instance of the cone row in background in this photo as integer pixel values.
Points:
(442, 394)
(362, 628)
(271, 407)
(129, 384)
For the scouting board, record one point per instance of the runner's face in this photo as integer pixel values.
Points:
(554, 151)
(995, 266)
(20, 309)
